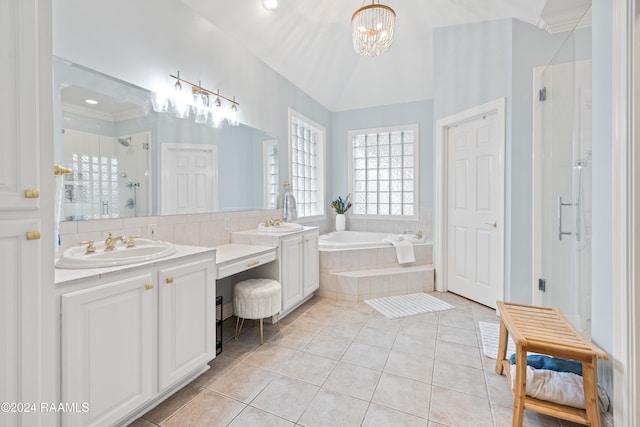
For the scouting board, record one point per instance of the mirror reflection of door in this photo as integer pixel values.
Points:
(189, 178)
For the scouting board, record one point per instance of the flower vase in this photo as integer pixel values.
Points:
(340, 222)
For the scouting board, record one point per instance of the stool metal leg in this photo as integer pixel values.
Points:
(261, 333)
(277, 321)
(238, 330)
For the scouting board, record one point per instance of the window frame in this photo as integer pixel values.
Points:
(416, 175)
(321, 196)
(270, 184)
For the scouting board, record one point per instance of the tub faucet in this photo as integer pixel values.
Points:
(418, 233)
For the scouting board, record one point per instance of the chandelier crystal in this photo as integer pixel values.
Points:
(372, 29)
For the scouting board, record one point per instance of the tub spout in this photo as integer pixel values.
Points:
(418, 233)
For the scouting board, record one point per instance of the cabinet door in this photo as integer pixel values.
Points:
(186, 319)
(19, 118)
(291, 272)
(18, 291)
(310, 267)
(108, 349)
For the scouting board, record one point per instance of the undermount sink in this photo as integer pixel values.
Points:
(144, 250)
(283, 227)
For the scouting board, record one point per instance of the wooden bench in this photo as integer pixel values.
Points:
(546, 331)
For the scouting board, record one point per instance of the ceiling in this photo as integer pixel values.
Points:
(309, 43)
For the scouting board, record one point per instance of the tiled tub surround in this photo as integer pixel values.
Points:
(359, 274)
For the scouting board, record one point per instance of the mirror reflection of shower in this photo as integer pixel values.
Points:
(132, 202)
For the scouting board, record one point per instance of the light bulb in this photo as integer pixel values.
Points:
(269, 4)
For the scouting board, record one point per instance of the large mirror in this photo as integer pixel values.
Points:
(127, 160)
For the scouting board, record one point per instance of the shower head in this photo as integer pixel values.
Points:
(124, 141)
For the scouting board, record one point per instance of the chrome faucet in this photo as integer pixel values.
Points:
(110, 242)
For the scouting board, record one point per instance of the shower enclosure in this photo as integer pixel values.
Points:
(562, 181)
(109, 176)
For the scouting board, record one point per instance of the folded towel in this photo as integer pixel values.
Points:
(404, 250)
(290, 212)
(558, 364)
(565, 388)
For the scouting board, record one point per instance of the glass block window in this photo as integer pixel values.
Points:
(306, 155)
(384, 171)
(271, 174)
(94, 185)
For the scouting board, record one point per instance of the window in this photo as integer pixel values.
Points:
(271, 174)
(92, 188)
(384, 171)
(306, 158)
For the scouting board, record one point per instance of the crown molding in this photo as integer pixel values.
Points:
(565, 20)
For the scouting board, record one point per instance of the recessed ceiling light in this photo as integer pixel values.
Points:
(91, 101)
(269, 4)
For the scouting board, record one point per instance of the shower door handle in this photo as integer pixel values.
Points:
(561, 204)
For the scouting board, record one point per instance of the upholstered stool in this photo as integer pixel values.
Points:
(257, 299)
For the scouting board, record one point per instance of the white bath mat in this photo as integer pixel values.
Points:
(490, 335)
(407, 305)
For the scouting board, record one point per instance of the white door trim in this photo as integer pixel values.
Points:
(626, 204)
(498, 107)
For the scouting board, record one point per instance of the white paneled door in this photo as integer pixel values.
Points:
(474, 203)
(189, 178)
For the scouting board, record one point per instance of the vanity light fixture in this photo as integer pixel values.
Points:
(91, 101)
(270, 4)
(372, 29)
(179, 99)
(204, 110)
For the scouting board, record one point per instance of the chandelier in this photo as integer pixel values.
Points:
(372, 29)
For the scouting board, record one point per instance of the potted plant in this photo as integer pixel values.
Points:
(341, 206)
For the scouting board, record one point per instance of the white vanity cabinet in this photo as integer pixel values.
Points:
(310, 260)
(186, 320)
(297, 267)
(291, 271)
(108, 349)
(131, 337)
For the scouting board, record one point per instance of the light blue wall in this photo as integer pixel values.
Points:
(602, 244)
(420, 112)
(475, 64)
(472, 65)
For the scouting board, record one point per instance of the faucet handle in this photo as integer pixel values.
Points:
(129, 240)
(90, 247)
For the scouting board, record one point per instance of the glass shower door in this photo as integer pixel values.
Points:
(562, 235)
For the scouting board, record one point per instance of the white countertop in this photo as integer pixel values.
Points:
(256, 231)
(63, 275)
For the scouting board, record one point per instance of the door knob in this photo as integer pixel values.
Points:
(493, 224)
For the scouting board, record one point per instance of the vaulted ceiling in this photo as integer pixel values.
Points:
(309, 43)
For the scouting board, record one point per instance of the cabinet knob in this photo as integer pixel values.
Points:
(148, 286)
(31, 194)
(169, 280)
(33, 235)
(252, 264)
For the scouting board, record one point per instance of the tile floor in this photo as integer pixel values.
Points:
(336, 363)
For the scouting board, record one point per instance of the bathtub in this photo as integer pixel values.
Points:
(340, 240)
(357, 265)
